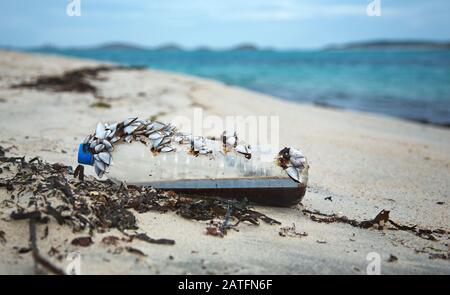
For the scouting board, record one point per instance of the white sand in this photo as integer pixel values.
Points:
(365, 162)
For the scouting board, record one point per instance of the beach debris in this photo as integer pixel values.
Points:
(291, 231)
(82, 241)
(219, 228)
(292, 161)
(378, 222)
(160, 137)
(144, 237)
(79, 172)
(100, 104)
(2, 237)
(392, 258)
(45, 233)
(135, 251)
(23, 250)
(443, 256)
(39, 260)
(235, 168)
(55, 213)
(110, 240)
(54, 251)
(213, 229)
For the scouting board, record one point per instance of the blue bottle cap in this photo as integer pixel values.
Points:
(84, 155)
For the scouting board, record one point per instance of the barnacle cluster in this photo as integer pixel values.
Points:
(164, 138)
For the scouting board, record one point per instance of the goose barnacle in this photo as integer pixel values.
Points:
(155, 136)
(105, 157)
(245, 150)
(128, 121)
(108, 145)
(167, 149)
(293, 173)
(100, 131)
(100, 147)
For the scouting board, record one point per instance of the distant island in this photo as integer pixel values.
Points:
(169, 47)
(162, 47)
(371, 44)
(391, 44)
(245, 47)
(120, 45)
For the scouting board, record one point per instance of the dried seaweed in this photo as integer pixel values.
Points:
(36, 215)
(444, 256)
(55, 214)
(38, 258)
(100, 205)
(146, 238)
(72, 81)
(381, 221)
(135, 251)
(41, 192)
(79, 172)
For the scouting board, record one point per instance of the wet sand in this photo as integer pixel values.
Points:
(364, 162)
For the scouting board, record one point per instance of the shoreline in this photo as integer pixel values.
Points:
(360, 164)
(411, 120)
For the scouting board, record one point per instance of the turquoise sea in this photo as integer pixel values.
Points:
(411, 84)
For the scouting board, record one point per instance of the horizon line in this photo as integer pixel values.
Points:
(244, 44)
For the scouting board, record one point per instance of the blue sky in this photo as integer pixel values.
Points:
(220, 23)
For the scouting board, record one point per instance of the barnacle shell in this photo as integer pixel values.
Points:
(99, 147)
(105, 157)
(167, 149)
(128, 121)
(100, 131)
(108, 145)
(155, 135)
(293, 173)
(295, 153)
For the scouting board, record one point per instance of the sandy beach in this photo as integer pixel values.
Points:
(364, 162)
